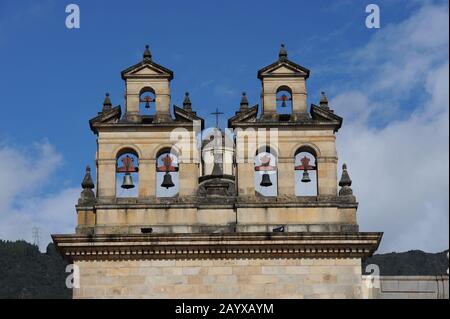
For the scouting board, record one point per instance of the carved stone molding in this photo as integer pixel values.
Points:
(217, 246)
(231, 199)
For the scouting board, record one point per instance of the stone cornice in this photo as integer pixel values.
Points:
(143, 127)
(217, 246)
(298, 125)
(223, 202)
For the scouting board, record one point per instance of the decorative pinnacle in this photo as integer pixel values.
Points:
(283, 53)
(323, 99)
(107, 103)
(147, 53)
(87, 196)
(87, 180)
(345, 178)
(244, 100)
(187, 101)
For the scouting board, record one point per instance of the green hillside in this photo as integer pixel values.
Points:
(27, 273)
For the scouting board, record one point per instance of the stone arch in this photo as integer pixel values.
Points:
(266, 178)
(306, 147)
(306, 170)
(167, 173)
(172, 148)
(284, 87)
(131, 148)
(127, 162)
(147, 89)
(147, 100)
(284, 99)
(265, 147)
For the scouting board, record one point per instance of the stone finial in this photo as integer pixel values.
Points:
(147, 53)
(345, 183)
(87, 180)
(283, 53)
(87, 196)
(323, 100)
(107, 105)
(187, 105)
(244, 101)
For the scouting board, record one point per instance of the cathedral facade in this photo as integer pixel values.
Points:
(254, 211)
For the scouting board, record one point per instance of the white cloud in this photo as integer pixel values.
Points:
(399, 56)
(400, 171)
(24, 173)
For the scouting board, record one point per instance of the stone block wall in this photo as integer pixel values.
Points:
(224, 279)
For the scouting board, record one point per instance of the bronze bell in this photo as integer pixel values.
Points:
(127, 181)
(167, 181)
(265, 181)
(305, 178)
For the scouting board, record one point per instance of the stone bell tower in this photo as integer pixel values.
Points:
(180, 212)
(283, 75)
(147, 76)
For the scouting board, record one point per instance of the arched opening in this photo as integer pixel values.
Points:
(266, 173)
(147, 100)
(284, 100)
(306, 183)
(127, 177)
(167, 173)
(218, 152)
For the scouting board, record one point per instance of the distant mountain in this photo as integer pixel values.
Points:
(411, 263)
(27, 273)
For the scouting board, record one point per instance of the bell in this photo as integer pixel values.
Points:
(265, 181)
(127, 181)
(284, 99)
(305, 178)
(167, 181)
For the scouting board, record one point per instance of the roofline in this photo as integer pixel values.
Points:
(287, 61)
(145, 62)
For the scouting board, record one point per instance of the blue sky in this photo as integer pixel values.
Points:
(53, 79)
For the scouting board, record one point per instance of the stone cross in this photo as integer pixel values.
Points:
(217, 114)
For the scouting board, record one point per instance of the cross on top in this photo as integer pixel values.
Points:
(147, 99)
(167, 165)
(305, 166)
(284, 98)
(128, 166)
(265, 164)
(217, 114)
